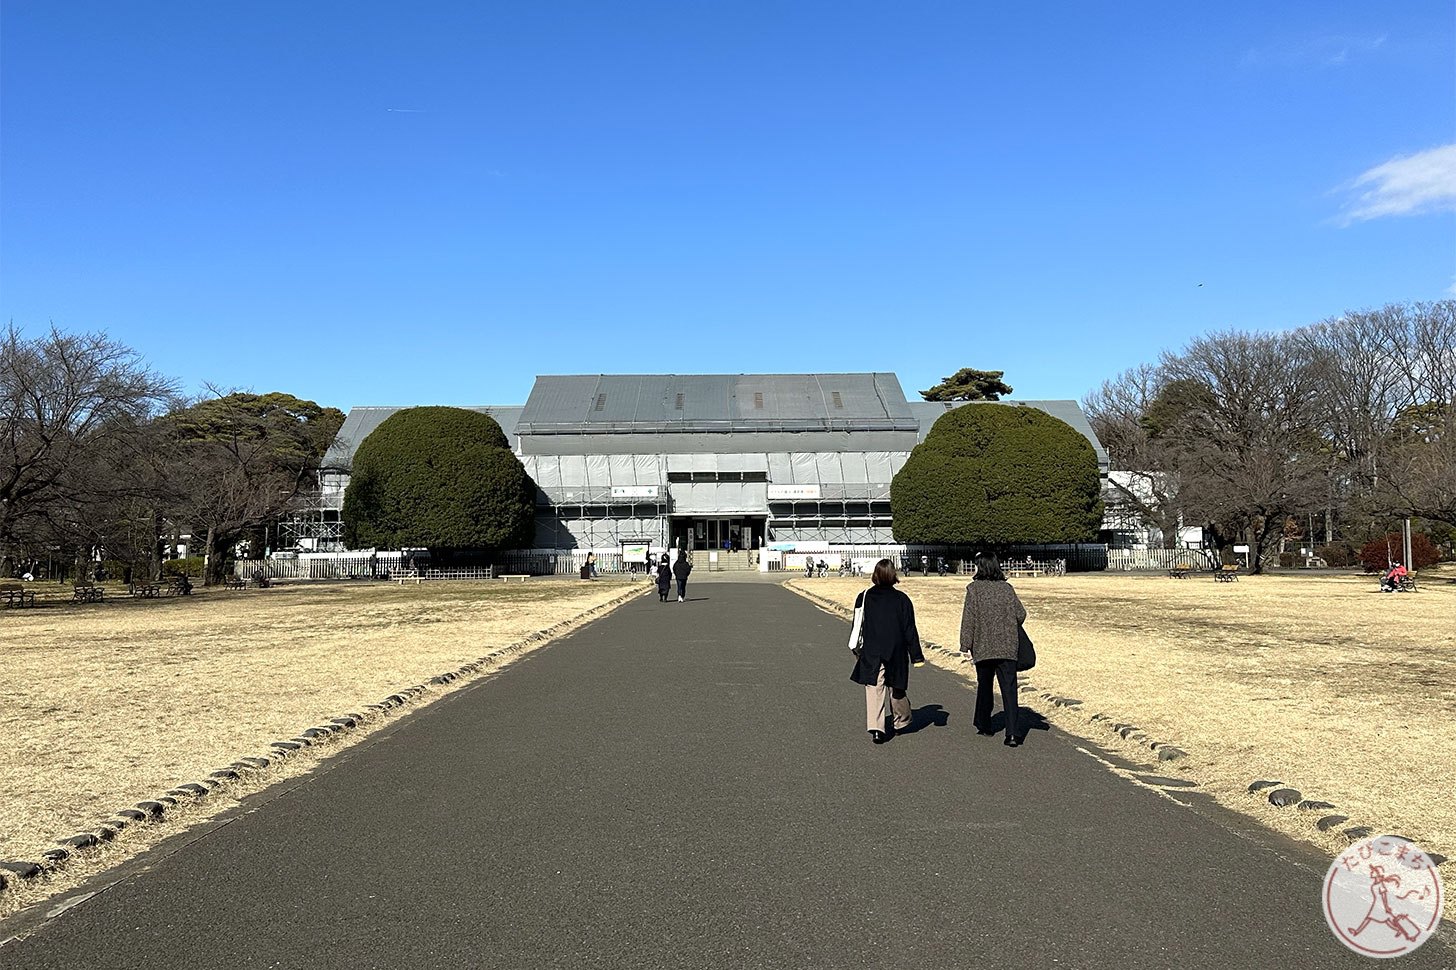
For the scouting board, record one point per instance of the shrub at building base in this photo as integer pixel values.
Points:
(439, 478)
(998, 474)
(1377, 554)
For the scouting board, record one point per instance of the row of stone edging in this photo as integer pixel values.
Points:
(15, 871)
(1324, 814)
(1279, 797)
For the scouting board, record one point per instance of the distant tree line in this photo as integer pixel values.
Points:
(1347, 425)
(102, 456)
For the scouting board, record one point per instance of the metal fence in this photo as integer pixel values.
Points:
(1128, 560)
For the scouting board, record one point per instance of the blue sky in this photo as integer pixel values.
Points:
(371, 203)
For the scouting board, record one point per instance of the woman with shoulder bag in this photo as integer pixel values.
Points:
(991, 633)
(885, 642)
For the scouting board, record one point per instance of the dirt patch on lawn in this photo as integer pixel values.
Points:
(105, 704)
(1324, 683)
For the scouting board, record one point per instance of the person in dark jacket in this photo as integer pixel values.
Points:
(990, 632)
(680, 570)
(664, 579)
(890, 644)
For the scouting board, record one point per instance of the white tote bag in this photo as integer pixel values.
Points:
(856, 632)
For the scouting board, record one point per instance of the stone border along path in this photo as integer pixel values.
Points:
(1314, 810)
(232, 779)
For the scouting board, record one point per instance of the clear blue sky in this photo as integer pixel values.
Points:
(386, 203)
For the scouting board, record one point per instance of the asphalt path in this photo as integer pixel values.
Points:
(690, 785)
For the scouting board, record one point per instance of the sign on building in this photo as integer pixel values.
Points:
(793, 492)
(634, 491)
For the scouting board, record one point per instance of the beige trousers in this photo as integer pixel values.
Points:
(877, 698)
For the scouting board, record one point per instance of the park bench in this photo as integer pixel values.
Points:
(87, 593)
(15, 594)
(1178, 572)
(146, 590)
(236, 582)
(507, 577)
(1019, 571)
(1226, 574)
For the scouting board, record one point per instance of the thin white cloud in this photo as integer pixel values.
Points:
(1328, 50)
(1407, 185)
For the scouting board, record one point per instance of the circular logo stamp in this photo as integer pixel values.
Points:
(1382, 896)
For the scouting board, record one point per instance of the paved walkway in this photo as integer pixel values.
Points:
(690, 785)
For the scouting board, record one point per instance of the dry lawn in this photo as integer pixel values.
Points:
(102, 705)
(1342, 692)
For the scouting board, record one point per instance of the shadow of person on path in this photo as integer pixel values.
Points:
(929, 715)
(1031, 720)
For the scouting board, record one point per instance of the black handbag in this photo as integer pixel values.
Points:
(1025, 651)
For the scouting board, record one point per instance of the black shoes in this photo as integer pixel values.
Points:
(879, 737)
(1012, 741)
(984, 733)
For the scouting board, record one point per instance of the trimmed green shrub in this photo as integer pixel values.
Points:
(188, 566)
(440, 478)
(1376, 554)
(998, 474)
(1339, 553)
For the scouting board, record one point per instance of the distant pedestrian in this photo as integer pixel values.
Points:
(680, 570)
(664, 579)
(886, 642)
(990, 633)
(925, 565)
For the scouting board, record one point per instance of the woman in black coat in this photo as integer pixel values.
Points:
(680, 570)
(886, 624)
(664, 579)
(990, 633)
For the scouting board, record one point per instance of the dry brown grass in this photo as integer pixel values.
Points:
(102, 705)
(1345, 693)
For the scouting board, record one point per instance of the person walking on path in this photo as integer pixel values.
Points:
(990, 633)
(885, 642)
(664, 579)
(680, 570)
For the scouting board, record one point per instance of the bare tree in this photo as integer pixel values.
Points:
(1237, 417)
(1144, 480)
(71, 406)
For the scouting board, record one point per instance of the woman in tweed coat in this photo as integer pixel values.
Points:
(990, 630)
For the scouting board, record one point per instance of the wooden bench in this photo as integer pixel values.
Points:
(146, 590)
(1022, 571)
(88, 593)
(235, 583)
(1226, 574)
(507, 577)
(15, 594)
(1178, 572)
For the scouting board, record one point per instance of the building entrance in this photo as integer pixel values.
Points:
(719, 532)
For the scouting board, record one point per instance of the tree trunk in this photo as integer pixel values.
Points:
(209, 557)
(1253, 536)
(155, 566)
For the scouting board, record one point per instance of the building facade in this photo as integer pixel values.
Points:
(704, 461)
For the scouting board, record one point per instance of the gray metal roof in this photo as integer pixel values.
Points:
(360, 421)
(638, 403)
(1069, 411)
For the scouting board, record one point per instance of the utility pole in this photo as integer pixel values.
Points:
(1406, 541)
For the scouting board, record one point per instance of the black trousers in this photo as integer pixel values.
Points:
(1005, 672)
(682, 587)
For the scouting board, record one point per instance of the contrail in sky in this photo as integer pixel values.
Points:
(407, 111)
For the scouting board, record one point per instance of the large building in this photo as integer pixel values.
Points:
(702, 459)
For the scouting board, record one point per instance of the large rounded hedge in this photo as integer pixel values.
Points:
(439, 478)
(998, 474)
